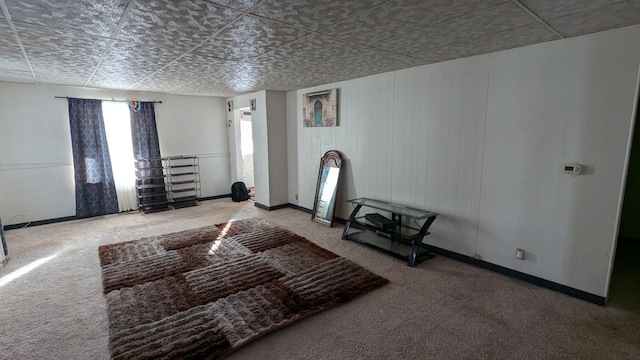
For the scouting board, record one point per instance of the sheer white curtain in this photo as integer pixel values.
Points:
(117, 122)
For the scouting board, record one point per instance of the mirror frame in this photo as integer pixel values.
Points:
(333, 159)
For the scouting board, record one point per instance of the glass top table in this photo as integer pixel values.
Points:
(393, 208)
(399, 239)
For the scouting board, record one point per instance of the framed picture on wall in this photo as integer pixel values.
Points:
(320, 108)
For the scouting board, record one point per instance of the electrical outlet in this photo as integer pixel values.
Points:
(521, 254)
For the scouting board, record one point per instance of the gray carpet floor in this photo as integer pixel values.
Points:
(441, 309)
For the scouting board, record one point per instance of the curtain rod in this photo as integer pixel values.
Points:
(114, 100)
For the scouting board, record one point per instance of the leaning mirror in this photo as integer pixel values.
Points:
(327, 188)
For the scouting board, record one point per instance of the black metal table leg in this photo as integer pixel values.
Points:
(418, 241)
(347, 225)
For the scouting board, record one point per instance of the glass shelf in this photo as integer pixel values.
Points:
(393, 208)
(400, 240)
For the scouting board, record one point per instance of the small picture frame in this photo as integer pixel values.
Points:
(320, 108)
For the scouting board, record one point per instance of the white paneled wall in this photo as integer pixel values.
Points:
(438, 140)
(414, 137)
(481, 141)
(562, 102)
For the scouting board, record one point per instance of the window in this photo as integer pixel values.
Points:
(117, 122)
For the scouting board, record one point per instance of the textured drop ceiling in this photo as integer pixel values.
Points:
(229, 47)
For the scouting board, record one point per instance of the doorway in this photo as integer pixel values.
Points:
(624, 289)
(246, 150)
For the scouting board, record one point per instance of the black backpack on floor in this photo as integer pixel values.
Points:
(239, 192)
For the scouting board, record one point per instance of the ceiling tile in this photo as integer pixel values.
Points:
(196, 63)
(311, 51)
(314, 46)
(325, 57)
(11, 57)
(59, 78)
(112, 80)
(230, 72)
(479, 24)
(93, 17)
(366, 61)
(179, 25)
(238, 77)
(290, 79)
(247, 77)
(229, 47)
(458, 50)
(522, 36)
(243, 77)
(282, 83)
(236, 4)
(250, 37)
(205, 86)
(192, 67)
(602, 18)
(127, 63)
(400, 17)
(551, 9)
(312, 14)
(164, 81)
(61, 52)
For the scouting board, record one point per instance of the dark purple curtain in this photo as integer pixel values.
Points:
(146, 146)
(144, 132)
(4, 241)
(95, 188)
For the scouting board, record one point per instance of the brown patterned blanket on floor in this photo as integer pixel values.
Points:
(202, 293)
